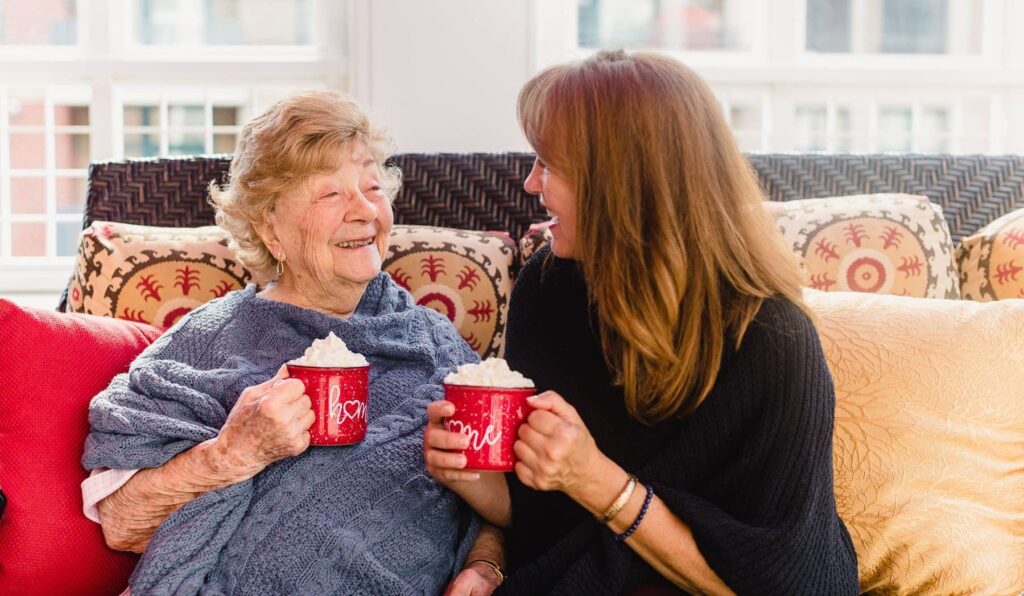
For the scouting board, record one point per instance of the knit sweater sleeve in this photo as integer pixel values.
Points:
(782, 534)
(788, 538)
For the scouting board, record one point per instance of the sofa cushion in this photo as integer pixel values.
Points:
(464, 275)
(882, 244)
(151, 274)
(155, 275)
(929, 439)
(52, 364)
(991, 261)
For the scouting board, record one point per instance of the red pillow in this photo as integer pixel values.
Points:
(51, 365)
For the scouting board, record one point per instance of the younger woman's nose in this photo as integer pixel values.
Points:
(533, 183)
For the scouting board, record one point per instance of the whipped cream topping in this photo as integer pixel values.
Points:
(330, 352)
(493, 372)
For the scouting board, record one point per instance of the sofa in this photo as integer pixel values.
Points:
(915, 274)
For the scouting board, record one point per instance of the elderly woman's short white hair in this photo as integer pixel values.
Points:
(296, 138)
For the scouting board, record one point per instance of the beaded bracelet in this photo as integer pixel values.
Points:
(639, 517)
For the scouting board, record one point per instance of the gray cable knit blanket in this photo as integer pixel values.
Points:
(362, 519)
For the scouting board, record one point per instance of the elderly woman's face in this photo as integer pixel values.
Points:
(335, 227)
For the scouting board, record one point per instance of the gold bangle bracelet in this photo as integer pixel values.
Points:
(493, 566)
(620, 501)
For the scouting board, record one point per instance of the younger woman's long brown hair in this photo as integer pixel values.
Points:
(671, 233)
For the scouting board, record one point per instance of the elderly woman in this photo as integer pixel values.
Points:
(208, 437)
(683, 436)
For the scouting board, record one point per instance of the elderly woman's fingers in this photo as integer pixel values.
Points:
(288, 389)
(439, 410)
(304, 403)
(281, 374)
(306, 419)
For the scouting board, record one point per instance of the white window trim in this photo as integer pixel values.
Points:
(110, 67)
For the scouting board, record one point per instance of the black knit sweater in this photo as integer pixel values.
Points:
(750, 472)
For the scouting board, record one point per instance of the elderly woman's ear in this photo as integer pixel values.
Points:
(268, 235)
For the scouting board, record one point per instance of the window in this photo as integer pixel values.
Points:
(200, 23)
(894, 26)
(38, 23)
(831, 75)
(87, 81)
(702, 25)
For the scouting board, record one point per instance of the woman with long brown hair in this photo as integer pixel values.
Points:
(683, 437)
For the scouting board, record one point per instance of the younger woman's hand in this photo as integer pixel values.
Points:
(486, 492)
(555, 449)
(442, 449)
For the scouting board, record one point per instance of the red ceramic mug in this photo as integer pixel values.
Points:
(490, 417)
(340, 399)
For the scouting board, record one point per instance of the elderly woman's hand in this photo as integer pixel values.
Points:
(270, 421)
(475, 580)
(555, 450)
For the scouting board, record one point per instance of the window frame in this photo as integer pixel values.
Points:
(105, 62)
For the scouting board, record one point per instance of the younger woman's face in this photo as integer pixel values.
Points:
(559, 199)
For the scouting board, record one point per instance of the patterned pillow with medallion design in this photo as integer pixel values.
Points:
(150, 274)
(881, 244)
(465, 275)
(155, 274)
(991, 261)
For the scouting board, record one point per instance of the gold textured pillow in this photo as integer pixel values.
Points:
(152, 274)
(882, 243)
(991, 261)
(929, 439)
(464, 275)
(156, 275)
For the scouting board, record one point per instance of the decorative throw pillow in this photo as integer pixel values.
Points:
(155, 275)
(537, 236)
(150, 274)
(929, 439)
(462, 274)
(882, 244)
(991, 261)
(52, 364)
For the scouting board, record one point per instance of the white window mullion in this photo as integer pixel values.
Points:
(50, 179)
(858, 26)
(207, 123)
(164, 126)
(956, 127)
(726, 105)
(5, 178)
(916, 115)
(766, 120)
(997, 124)
(873, 140)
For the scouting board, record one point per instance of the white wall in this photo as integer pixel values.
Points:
(444, 74)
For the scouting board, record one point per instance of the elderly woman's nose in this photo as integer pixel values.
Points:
(361, 208)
